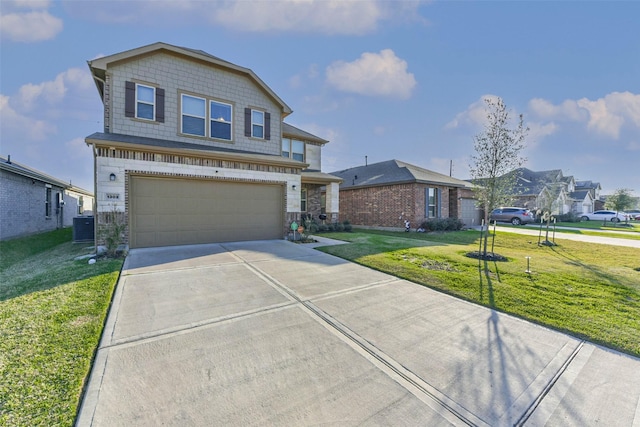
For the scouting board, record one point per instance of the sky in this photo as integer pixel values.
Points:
(380, 80)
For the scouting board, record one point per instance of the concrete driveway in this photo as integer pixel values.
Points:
(276, 333)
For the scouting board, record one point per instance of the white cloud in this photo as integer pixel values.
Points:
(30, 27)
(475, 115)
(308, 16)
(376, 74)
(538, 131)
(52, 92)
(606, 116)
(77, 149)
(16, 125)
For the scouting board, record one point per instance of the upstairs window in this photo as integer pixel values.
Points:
(144, 102)
(193, 115)
(221, 117)
(293, 149)
(257, 124)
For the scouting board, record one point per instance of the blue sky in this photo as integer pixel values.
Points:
(381, 79)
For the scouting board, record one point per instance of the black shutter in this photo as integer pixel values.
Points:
(267, 126)
(130, 99)
(159, 105)
(247, 122)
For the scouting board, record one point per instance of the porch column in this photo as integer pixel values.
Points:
(332, 201)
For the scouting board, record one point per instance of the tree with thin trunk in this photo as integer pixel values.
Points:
(620, 200)
(498, 151)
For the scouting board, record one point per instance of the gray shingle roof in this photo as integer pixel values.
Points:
(29, 172)
(393, 172)
(294, 132)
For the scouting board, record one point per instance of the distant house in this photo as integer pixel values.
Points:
(195, 150)
(552, 190)
(387, 193)
(594, 190)
(33, 202)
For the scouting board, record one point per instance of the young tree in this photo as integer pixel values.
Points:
(620, 200)
(497, 152)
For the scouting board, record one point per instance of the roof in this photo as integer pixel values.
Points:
(26, 171)
(99, 66)
(394, 172)
(164, 145)
(316, 177)
(294, 132)
(580, 195)
(587, 184)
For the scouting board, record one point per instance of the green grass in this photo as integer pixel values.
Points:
(588, 228)
(590, 291)
(52, 310)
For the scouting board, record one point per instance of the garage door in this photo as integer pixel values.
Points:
(469, 213)
(173, 211)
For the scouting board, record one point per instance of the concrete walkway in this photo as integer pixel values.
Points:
(277, 333)
(604, 240)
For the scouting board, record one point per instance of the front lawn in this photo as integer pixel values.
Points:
(52, 310)
(588, 290)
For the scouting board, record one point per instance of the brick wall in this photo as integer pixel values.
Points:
(22, 206)
(389, 206)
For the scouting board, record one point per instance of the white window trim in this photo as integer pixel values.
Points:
(211, 119)
(182, 114)
(257, 124)
(290, 150)
(138, 101)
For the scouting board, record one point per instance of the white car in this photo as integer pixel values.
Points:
(612, 216)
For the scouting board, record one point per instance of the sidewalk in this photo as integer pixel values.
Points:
(615, 241)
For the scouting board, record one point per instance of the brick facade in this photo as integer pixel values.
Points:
(22, 206)
(390, 205)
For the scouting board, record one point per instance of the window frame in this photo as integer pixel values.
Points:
(139, 101)
(47, 202)
(254, 124)
(183, 114)
(211, 119)
(303, 199)
(290, 152)
(432, 209)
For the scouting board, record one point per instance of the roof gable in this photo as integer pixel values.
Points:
(394, 172)
(99, 66)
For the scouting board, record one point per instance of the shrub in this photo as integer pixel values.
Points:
(442, 224)
(568, 217)
(347, 226)
(323, 228)
(338, 226)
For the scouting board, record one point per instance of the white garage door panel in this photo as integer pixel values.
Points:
(169, 211)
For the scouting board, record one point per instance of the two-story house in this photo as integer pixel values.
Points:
(194, 150)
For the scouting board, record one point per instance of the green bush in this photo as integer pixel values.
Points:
(568, 217)
(338, 226)
(347, 226)
(442, 224)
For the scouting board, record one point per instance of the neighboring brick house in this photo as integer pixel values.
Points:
(34, 202)
(387, 193)
(193, 151)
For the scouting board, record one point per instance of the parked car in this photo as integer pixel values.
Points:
(612, 216)
(515, 216)
(634, 214)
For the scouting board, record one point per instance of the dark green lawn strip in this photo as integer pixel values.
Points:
(48, 336)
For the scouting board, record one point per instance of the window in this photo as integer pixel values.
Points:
(144, 102)
(80, 205)
(47, 203)
(257, 124)
(193, 115)
(303, 200)
(220, 114)
(433, 202)
(292, 148)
